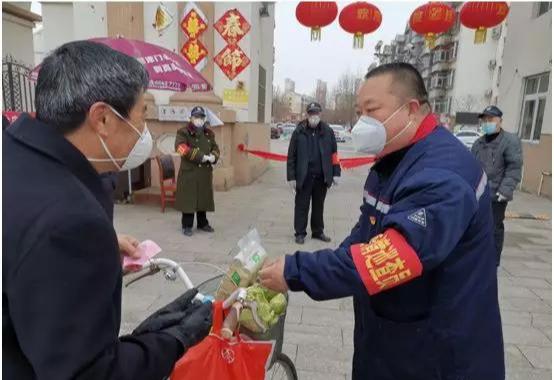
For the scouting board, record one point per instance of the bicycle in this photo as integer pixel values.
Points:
(280, 363)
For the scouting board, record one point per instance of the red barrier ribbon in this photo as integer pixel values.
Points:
(345, 163)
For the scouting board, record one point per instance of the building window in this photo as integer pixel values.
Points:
(445, 54)
(542, 7)
(261, 94)
(535, 94)
(441, 105)
(443, 79)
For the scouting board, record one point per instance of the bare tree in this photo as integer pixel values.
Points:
(344, 98)
(468, 103)
(279, 105)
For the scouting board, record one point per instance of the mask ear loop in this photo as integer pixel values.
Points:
(403, 130)
(111, 158)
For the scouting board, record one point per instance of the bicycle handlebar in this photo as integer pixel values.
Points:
(236, 300)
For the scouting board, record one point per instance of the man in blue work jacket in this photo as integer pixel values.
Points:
(420, 263)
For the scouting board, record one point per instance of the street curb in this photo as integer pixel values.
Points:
(517, 215)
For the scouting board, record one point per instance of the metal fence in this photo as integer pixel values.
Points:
(18, 90)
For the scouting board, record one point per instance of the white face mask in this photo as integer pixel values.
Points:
(314, 120)
(140, 152)
(370, 136)
(198, 122)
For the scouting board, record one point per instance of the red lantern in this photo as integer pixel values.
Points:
(315, 15)
(481, 15)
(360, 19)
(432, 19)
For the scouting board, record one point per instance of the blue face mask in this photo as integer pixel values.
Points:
(488, 128)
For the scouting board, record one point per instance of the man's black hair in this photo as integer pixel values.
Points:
(77, 75)
(406, 76)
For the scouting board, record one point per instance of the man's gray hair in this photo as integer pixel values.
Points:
(77, 75)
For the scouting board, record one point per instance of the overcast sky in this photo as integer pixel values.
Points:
(304, 61)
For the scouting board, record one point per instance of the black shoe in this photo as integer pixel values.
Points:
(187, 231)
(322, 237)
(299, 240)
(206, 228)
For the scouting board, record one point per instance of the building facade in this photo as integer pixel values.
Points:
(460, 76)
(525, 90)
(246, 117)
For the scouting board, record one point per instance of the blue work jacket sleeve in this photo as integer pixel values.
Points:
(432, 210)
(428, 217)
(323, 275)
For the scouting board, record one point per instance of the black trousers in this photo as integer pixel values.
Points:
(498, 214)
(187, 220)
(313, 190)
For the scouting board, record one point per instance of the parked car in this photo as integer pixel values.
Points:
(340, 133)
(468, 137)
(275, 131)
(287, 129)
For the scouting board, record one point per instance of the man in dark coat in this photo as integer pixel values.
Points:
(199, 152)
(500, 154)
(61, 267)
(311, 167)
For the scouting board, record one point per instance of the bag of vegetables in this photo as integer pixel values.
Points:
(270, 306)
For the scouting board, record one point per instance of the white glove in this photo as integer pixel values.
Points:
(501, 198)
(211, 158)
(292, 185)
(205, 158)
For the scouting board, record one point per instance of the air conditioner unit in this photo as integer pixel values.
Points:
(497, 32)
(488, 93)
(492, 64)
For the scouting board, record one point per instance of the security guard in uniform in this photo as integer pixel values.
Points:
(199, 152)
(420, 263)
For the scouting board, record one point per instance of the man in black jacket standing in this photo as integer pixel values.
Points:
(311, 167)
(61, 265)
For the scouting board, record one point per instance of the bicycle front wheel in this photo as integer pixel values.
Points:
(282, 369)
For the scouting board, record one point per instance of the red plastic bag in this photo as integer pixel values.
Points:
(216, 358)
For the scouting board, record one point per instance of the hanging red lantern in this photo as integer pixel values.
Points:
(432, 19)
(360, 18)
(481, 15)
(316, 15)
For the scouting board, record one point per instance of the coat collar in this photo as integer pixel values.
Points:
(388, 163)
(192, 130)
(48, 141)
(306, 128)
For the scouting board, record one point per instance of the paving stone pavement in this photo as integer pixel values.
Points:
(318, 335)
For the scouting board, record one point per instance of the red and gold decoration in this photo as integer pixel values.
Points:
(232, 26)
(481, 15)
(386, 261)
(315, 15)
(162, 20)
(193, 24)
(232, 60)
(194, 51)
(431, 20)
(360, 18)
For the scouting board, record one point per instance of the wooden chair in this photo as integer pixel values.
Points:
(168, 183)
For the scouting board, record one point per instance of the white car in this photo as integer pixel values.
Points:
(467, 137)
(340, 133)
